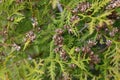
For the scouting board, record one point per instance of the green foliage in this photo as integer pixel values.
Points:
(59, 40)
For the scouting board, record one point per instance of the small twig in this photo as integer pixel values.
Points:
(59, 6)
(85, 26)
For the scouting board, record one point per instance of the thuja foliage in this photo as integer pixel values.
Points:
(59, 39)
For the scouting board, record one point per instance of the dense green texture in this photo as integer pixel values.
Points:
(30, 33)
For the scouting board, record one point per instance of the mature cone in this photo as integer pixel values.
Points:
(16, 47)
(59, 31)
(86, 49)
(113, 4)
(58, 40)
(113, 15)
(68, 28)
(30, 35)
(83, 6)
(63, 54)
(56, 50)
(94, 59)
(91, 43)
(74, 18)
(113, 32)
(108, 42)
(77, 49)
